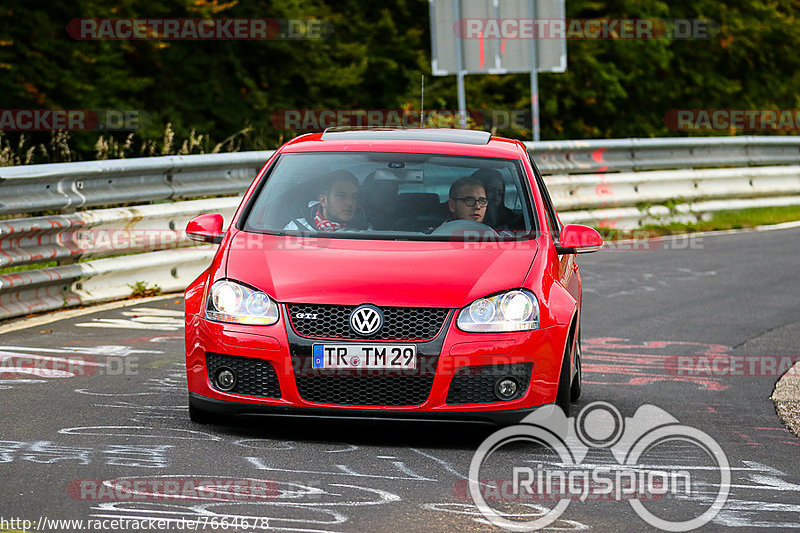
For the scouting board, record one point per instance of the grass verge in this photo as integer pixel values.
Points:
(722, 220)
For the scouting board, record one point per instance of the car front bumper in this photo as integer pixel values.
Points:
(459, 366)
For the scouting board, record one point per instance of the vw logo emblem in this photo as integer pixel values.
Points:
(366, 320)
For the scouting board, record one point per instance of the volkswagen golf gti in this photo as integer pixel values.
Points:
(401, 273)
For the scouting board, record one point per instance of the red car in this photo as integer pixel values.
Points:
(401, 273)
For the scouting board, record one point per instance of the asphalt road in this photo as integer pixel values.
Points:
(657, 319)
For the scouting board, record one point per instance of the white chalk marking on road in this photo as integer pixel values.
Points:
(386, 496)
(7, 383)
(266, 444)
(202, 513)
(138, 431)
(447, 466)
(472, 511)
(141, 318)
(122, 323)
(343, 470)
(153, 311)
(348, 448)
(741, 513)
(114, 394)
(57, 316)
(113, 349)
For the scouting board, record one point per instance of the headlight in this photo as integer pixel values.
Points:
(516, 310)
(229, 301)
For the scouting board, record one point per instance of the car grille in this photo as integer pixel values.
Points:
(400, 323)
(365, 387)
(388, 390)
(475, 384)
(254, 377)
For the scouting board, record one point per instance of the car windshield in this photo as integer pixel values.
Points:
(393, 196)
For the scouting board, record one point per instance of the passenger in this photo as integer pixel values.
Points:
(467, 200)
(380, 203)
(497, 214)
(336, 207)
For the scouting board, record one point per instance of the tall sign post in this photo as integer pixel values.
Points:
(535, 126)
(468, 37)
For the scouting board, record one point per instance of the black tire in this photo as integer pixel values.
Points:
(563, 393)
(198, 416)
(575, 390)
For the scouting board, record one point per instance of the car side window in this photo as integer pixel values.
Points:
(552, 220)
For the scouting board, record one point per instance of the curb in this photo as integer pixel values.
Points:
(66, 314)
(786, 397)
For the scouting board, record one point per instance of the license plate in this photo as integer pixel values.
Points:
(354, 356)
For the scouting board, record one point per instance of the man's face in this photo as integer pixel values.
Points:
(494, 190)
(469, 194)
(339, 205)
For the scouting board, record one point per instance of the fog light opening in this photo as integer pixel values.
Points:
(506, 388)
(226, 379)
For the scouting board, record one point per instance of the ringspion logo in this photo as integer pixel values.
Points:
(643, 469)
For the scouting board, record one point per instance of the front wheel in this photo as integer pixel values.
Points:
(563, 393)
(575, 390)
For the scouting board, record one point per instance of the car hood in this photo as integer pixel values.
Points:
(385, 273)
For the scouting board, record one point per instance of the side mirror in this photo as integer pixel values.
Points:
(577, 239)
(205, 228)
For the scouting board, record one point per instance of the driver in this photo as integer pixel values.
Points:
(497, 214)
(467, 200)
(336, 205)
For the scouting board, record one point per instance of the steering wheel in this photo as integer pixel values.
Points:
(465, 226)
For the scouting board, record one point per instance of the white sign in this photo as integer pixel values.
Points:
(497, 36)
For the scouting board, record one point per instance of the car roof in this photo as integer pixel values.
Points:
(417, 134)
(409, 140)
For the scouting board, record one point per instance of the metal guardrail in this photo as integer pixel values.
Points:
(628, 200)
(605, 182)
(104, 232)
(72, 186)
(633, 217)
(33, 291)
(592, 191)
(620, 155)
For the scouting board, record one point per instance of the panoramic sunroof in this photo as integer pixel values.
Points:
(421, 134)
